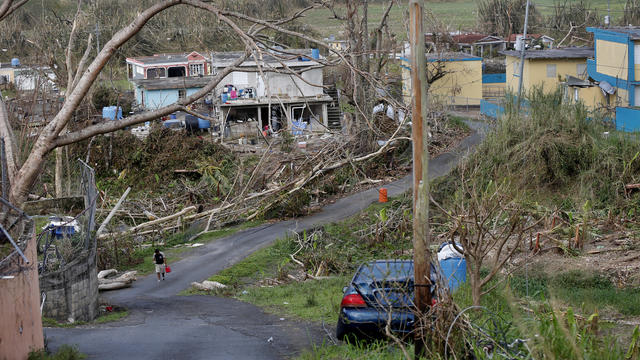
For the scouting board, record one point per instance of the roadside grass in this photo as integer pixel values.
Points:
(590, 292)
(103, 318)
(315, 300)
(173, 250)
(65, 352)
(377, 350)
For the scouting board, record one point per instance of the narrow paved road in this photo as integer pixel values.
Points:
(163, 325)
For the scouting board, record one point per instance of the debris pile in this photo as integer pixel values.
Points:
(107, 279)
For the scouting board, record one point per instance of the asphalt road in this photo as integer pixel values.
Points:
(163, 325)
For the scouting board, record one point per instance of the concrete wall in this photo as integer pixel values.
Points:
(461, 86)
(535, 72)
(154, 99)
(72, 292)
(627, 119)
(21, 324)
(612, 59)
(277, 84)
(591, 97)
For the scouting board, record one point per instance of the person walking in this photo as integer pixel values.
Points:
(161, 263)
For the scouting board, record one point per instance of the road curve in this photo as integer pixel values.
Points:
(163, 325)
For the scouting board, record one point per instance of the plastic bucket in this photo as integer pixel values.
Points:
(382, 195)
(454, 272)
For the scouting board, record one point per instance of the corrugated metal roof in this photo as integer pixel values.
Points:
(562, 53)
(633, 32)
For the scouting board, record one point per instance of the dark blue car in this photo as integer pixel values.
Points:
(381, 292)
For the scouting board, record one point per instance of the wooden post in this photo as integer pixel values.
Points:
(421, 256)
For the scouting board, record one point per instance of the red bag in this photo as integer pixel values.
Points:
(167, 269)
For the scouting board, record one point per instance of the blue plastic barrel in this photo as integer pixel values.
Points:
(454, 272)
(315, 53)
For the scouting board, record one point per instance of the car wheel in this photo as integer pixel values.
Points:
(340, 330)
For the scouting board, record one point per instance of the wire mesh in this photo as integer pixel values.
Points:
(65, 238)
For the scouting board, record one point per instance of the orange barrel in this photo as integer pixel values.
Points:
(382, 197)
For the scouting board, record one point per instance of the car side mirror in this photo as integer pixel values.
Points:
(344, 289)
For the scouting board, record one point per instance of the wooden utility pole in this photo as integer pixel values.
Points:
(421, 256)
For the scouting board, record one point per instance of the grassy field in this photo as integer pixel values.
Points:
(459, 15)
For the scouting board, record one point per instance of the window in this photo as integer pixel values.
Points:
(581, 70)
(516, 67)
(155, 73)
(182, 93)
(176, 71)
(551, 70)
(196, 69)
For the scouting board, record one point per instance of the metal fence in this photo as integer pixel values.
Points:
(65, 238)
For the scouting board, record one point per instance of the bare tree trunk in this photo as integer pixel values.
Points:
(59, 173)
(9, 141)
(476, 288)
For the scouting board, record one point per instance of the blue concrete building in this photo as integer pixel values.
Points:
(616, 67)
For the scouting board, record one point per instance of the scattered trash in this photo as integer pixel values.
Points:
(109, 308)
(196, 244)
(281, 319)
(286, 303)
(244, 292)
(270, 340)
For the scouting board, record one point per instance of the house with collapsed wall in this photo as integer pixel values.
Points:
(261, 94)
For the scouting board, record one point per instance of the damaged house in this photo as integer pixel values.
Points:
(262, 95)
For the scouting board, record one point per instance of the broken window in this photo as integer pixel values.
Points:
(551, 70)
(581, 70)
(182, 93)
(154, 73)
(177, 71)
(196, 69)
(130, 71)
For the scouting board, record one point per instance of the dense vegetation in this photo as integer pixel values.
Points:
(557, 156)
